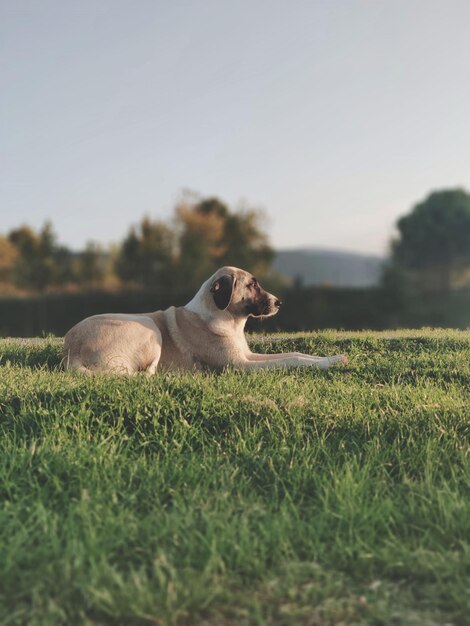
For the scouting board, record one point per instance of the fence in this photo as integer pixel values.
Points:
(303, 309)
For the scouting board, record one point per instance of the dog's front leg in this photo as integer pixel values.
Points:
(338, 358)
(290, 360)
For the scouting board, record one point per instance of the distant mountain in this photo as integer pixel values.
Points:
(335, 268)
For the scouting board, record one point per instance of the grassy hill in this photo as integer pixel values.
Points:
(329, 267)
(283, 498)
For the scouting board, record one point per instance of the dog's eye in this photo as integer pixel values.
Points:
(253, 283)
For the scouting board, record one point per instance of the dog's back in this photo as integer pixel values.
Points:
(112, 342)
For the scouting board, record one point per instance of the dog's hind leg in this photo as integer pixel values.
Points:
(152, 368)
(77, 366)
(156, 354)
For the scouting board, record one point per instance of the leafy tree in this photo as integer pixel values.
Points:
(246, 245)
(146, 255)
(8, 258)
(63, 266)
(210, 235)
(91, 265)
(434, 240)
(41, 261)
(31, 269)
(200, 229)
(203, 235)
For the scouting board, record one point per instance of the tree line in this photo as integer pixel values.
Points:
(431, 251)
(173, 255)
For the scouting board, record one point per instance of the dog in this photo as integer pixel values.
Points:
(206, 334)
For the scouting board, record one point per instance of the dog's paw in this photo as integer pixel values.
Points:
(338, 359)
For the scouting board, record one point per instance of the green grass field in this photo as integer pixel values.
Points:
(286, 498)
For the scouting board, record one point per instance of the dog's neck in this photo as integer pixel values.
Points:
(219, 322)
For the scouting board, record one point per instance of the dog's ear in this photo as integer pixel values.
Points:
(222, 291)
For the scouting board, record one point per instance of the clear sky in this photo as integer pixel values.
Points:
(335, 116)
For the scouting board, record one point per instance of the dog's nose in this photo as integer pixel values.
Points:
(277, 303)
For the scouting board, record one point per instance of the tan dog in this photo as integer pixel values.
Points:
(207, 333)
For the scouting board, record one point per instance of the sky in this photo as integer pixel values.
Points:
(333, 116)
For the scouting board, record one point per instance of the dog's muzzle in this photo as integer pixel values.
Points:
(265, 306)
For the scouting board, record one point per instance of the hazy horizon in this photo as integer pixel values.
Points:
(334, 117)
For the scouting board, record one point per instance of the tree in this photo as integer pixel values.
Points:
(210, 235)
(246, 245)
(146, 256)
(203, 235)
(200, 228)
(91, 265)
(41, 261)
(8, 258)
(434, 240)
(29, 270)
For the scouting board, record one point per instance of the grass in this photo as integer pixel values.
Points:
(301, 498)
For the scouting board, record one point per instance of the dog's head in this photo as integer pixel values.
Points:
(238, 292)
(232, 294)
